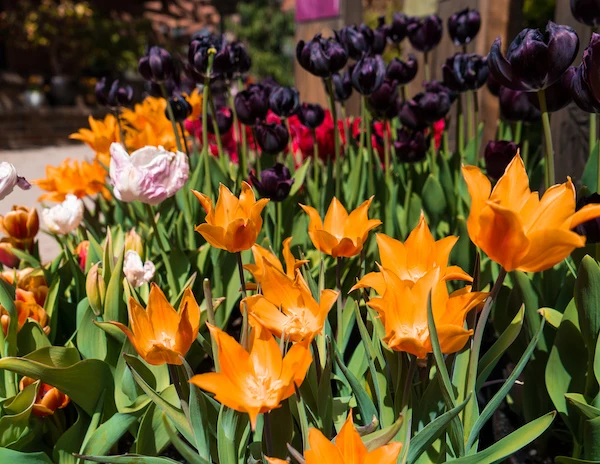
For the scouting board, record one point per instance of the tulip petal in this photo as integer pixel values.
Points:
(323, 241)
(562, 49)
(265, 355)
(266, 313)
(247, 198)
(261, 253)
(393, 254)
(207, 204)
(548, 248)
(371, 280)
(346, 248)
(161, 314)
(555, 207)
(387, 454)
(293, 368)
(291, 263)
(480, 188)
(188, 300)
(240, 235)
(452, 338)
(159, 355)
(233, 359)
(214, 235)
(279, 289)
(226, 207)
(587, 213)
(328, 298)
(349, 443)
(512, 189)
(225, 391)
(456, 273)
(321, 449)
(315, 222)
(335, 219)
(501, 69)
(140, 349)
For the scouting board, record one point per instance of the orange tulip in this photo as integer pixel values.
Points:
(26, 308)
(21, 224)
(262, 255)
(160, 334)
(340, 235)
(348, 448)
(99, 136)
(414, 258)
(403, 312)
(276, 460)
(258, 381)
(516, 228)
(48, 398)
(287, 307)
(234, 224)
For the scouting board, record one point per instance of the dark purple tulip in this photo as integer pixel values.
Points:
(198, 53)
(586, 11)
(272, 137)
(157, 66)
(438, 87)
(251, 104)
(284, 101)
(411, 147)
(402, 71)
(535, 60)
(427, 107)
(383, 103)
(498, 154)
(591, 228)
(586, 77)
(181, 108)
(516, 106)
(379, 37)
(464, 72)
(116, 96)
(275, 183)
(397, 30)
(464, 25)
(224, 120)
(493, 85)
(321, 57)
(558, 95)
(410, 116)
(368, 74)
(425, 33)
(311, 115)
(232, 59)
(342, 86)
(356, 40)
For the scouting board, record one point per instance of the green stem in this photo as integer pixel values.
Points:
(316, 176)
(185, 145)
(386, 150)
(470, 114)
(476, 124)
(213, 111)
(460, 127)
(340, 322)
(237, 132)
(426, 62)
(210, 315)
(548, 139)
(205, 147)
(257, 163)
(278, 225)
(433, 152)
(370, 164)
(151, 218)
(518, 132)
(336, 138)
(525, 147)
(244, 158)
(172, 118)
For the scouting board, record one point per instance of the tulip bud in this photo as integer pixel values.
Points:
(425, 33)
(411, 147)
(272, 137)
(7, 257)
(200, 47)
(251, 104)
(357, 41)
(516, 106)
(284, 101)
(136, 272)
(149, 175)
(311, 115)
(586, 12)
(464, 72)
(342, 86)
(383, 103)
(464, 25)
(233, 59)
(157, 66)
(275, 183)
(402, 71)
(584, 85)
(425, 108)
(181, 108)
(21, 224)
(368, 74)
(115, 96)
(65, 217)
(48, 398)
(498, 155)
(82, 252)
(9, 179)
(591, 228)
(321, 57)
(95, 288)
(224, 121)
(397, 30)
(558, 95)
(379, 37)
(133, 242)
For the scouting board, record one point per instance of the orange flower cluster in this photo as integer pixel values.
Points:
(21, 225)
(99, 137)
(48, 398)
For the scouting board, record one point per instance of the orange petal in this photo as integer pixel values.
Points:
(161, 314)
(261, 253)
(371, 280)
(349, 443)
(139, 348)
(225, 208)
(247, 198)
(586, 213)
(328, 298)
(214, 235)
(279, 289)
(512, 189)
(548, 248)
(392, 253)
(387, 454)
(480, 188)
(321, 450)
(294, 367)
(452, 338)
(240, 235)
(346, 248)
(206, 203)
(266, 313)
(225, 391)
(315, 222)
(323, 241)
(141, 324)
(265, 355)
(335, 219)
(159, 355)
(193, 310)
(233, 359)
(554, 209)
(456, 273)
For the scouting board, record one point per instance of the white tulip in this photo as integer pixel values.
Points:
(9, 179)
(64, 217)
(137, 273)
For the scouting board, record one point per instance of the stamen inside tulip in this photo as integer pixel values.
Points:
(298, 322)
(164, 339)
(263, 387)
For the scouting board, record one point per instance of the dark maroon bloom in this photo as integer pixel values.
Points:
(397, 30)
(498, 154)
(198, 54)
(224, 120)
(356, 40)
(284, 101)
(157, 66)
(586, 11)
(181, 108)
(321, 57)
(585, 79)
(383, 103)
(464, 72)
(342, 86)
(116, 96)
(558, 95)
(232, 59)
(311, 115)
(591, 228)
(411, 147)
(272, 137)
(368, 74)
(402, 71)
(251, 104)
(379, 37)
(535, 60)
(427, 107)
(493, 85)
(425, 33)
(516, 106)
(275, 183)
(464, 25)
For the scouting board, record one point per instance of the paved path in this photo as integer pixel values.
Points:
(32, 165)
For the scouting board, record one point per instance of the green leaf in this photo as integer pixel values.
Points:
(384, 436)
(8, 455)
(587, 410)
(552, 316)
(152, 437)
(591, 439)
(299, 176)
(567, 460)
(511, 443)
(109, 433)
(434, 199)
(587, 300)
(91, 340)
(16, 419)
(226, 428)
(186, 452)
(114, 305)
(127, 459)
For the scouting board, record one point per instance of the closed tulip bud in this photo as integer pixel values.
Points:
(516, 106)
(356, 40)
(321, 57)
(149, 175)
(81, 251)
(342, 86)
(251, 104)
(233, 59)
(7, 257)
(464, 25)
(425, 33)
(379, 37)
(117, 95)
(157, 66)
(383, 103)
(498, 155)
(137, 272)
(48, 398)
(133, 242)
(21, 224)
(411, 147)
(464, 72)
(199, 49)
(275, 183)
(9, 179)
(410, 116)
(368, 74)
(95, 288)
(591, 228)
(224, 120)
(284, 101)
(402, 71)
(181, 108)
(65, 217)
(425, 108)
(535, 60)
(586, 11)
(311, 115)
(558, 95)
(397, 30)
(584, 80)
(272, 137)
